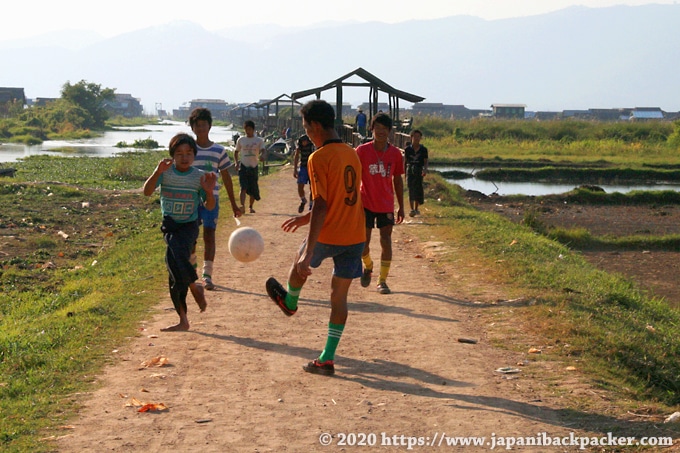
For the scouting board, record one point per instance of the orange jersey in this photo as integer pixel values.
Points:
(335, 176)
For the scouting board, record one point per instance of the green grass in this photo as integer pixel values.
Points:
(58, 326)
(560, 130)
(590, 152)
(65, 304)
(581, 239)
(123, 171)
(56, 336)
(147, 143)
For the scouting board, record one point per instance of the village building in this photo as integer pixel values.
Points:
(11, 99)
(508, 110)
(124, 105)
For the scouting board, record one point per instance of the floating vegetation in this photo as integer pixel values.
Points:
(147, 143)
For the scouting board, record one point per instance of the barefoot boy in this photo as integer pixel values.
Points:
(182, 189)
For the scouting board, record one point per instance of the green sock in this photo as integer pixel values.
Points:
(292, 297)
(334, 334)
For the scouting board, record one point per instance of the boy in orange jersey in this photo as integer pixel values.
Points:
(337, 227)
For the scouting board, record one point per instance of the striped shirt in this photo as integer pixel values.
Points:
(213, 158)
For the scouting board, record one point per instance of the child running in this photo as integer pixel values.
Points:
(182, 188)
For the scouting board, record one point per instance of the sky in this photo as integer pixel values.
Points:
(29, 18)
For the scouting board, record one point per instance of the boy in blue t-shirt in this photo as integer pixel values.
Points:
(183, 188)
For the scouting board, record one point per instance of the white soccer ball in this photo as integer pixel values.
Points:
(246, 244)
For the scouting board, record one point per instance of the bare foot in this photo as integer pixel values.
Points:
(199, 296)
(176, 328)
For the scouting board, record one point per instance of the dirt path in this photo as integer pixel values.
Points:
(235, 383)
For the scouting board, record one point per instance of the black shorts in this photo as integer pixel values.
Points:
(248, 180)
(379, 219)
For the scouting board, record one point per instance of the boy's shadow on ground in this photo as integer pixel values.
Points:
(391, 376)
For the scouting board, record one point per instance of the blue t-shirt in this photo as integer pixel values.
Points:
(181, 193)
(361, 119)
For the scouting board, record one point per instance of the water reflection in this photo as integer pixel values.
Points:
(539, 188)
(105, 146)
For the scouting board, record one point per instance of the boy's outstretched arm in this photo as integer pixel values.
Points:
(399, 192)
(150, 183)
(229, 187)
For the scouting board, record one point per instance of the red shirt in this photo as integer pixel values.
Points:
(378, 168)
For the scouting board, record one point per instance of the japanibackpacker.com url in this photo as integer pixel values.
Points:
(492, 442)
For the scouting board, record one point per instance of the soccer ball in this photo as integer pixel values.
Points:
(246, 244)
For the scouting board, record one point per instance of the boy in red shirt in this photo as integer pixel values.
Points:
(382, 167)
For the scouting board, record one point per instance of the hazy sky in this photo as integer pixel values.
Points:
(24, 18)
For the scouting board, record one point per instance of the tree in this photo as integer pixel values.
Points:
(90, 97)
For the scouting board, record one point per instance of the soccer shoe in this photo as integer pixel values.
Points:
(383, 288)
(412, 213)
(301, 207)
(208, 283)
(366, 278)
(315, 367)
(278, 295)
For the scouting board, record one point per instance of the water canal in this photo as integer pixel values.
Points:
(105, 145)
(505, 188)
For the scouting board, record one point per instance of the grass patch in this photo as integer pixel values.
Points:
(581, 239)
(56, 335)
(147, 143)
(124, 171)
(75, 280)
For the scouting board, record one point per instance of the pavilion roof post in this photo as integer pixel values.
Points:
(338, 107)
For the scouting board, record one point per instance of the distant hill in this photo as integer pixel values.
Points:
(575, 58)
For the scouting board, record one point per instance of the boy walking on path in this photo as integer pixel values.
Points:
(415, 160)
(302, 152)
(381, 168)
(183, 188)
(211, 157)
(360, 122)
(336, 227)
(248, 154)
